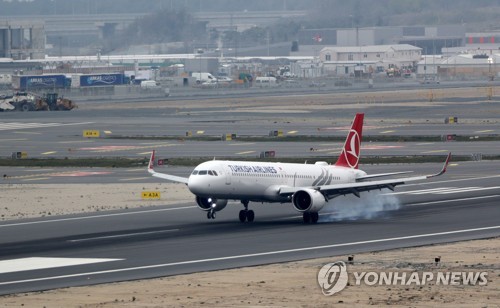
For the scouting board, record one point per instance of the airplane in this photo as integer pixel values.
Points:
(307, 186)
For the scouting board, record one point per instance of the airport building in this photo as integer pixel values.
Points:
(368, 59)
(22, 40)
(461, 66)
(431, 39)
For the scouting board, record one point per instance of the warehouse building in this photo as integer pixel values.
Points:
(431, 39)
(21, 40)
(368, 59)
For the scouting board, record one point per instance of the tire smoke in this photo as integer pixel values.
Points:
(371, 204)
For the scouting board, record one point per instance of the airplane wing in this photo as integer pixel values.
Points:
(164, 176)
(378, 175)
(335, 190)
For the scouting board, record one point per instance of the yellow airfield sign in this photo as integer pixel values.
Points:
(150, 195)
(91, 133)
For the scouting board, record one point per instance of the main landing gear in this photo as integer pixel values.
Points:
(310, 217)
(246, 214)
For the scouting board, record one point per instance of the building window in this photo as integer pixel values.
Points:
(350, 57)
(328, 57)
(365, 56)
(378, 55)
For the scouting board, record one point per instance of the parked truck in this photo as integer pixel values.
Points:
(35, 82)
(92, 80)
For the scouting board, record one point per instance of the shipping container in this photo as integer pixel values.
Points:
(24, 82)
(101, 80)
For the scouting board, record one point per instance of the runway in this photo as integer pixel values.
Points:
(163, 241)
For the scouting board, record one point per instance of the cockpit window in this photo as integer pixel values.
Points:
(204, 172)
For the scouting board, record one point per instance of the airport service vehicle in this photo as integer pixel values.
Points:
(204, 77)
(19, 101)
(266, 82)
(24, 101)
(308, 187)
(152, 85)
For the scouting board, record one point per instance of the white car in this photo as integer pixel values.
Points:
(224, 79)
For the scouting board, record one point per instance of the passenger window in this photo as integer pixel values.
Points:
(195, 172)
(203, 172)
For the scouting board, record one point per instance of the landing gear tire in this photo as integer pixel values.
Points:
(246, 215)
(243, 215)
(250, 216)
(310, 217)
(211, 215)
(306, 217)
(314, 217)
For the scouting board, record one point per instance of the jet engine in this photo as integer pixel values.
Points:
(211, 203)
(308, 200)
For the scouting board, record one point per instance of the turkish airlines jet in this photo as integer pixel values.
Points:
(308, 187)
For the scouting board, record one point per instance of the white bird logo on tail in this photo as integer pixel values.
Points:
(352, 153)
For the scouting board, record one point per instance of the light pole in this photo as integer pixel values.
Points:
(490, 62)
(200, 52)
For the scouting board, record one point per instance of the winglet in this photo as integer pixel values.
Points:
(151, 162)
(444, 167)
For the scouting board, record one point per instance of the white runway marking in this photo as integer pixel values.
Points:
(442, 190)
(35, 263)
(120, 235)
(96, 216)
(456, 180)
(253, 255)
(17, 125)
(453, 200)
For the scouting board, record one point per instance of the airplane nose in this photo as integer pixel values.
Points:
(195, 185)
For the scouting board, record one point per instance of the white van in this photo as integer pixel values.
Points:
(265, 82)
(204, 77)
(148, 84)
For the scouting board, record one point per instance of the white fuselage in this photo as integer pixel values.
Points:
(261, 181)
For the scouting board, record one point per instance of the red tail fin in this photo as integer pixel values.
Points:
(351, 150)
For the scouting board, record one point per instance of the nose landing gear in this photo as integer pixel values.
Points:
(211, 214)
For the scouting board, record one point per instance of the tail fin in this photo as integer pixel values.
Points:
(352, 146)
